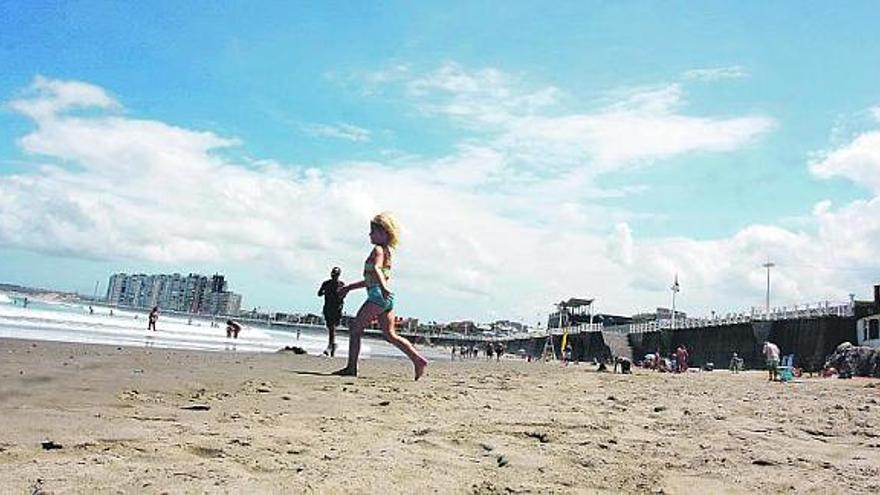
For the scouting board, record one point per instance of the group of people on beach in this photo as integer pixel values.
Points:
(490, 349)
(677, 362)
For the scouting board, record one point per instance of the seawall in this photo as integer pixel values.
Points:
(810, 340)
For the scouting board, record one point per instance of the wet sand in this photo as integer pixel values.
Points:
(261, 423)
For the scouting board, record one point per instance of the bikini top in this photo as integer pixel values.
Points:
(369, 267)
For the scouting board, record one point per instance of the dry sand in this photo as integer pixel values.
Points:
(277, 424)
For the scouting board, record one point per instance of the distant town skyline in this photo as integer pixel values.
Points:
(532, 152)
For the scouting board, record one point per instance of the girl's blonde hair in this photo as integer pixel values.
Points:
(386, 222)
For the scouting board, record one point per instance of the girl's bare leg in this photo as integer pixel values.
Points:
(386, 321)
(366, 314)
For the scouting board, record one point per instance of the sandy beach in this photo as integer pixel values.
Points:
(87, 419)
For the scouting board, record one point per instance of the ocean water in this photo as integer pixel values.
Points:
(69, 322)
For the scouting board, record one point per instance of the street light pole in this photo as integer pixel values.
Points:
(675, 288)
(768, 265)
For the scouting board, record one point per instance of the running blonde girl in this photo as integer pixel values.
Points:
(384, 234)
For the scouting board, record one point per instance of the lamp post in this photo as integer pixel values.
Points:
(675, 289)
(768, 265)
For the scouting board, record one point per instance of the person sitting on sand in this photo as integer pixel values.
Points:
(232, 329)
(624, 363)
(153, 318)
(384, 235)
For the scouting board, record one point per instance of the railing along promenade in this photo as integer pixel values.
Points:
(795, 312)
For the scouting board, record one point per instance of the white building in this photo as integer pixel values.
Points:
(193, 293)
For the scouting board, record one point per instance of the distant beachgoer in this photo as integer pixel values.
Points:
(332, 307)
(489, 351)
(25, 302)
(771, 358)
(91, 310)
(736, 363)
(499, 350)
(453, 353)
(566, 355)
(681, 359)
(625, 365)
(232, 329)
(384, 235)
(111, 312)
(154, 317)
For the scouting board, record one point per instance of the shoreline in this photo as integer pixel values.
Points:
(158, 420)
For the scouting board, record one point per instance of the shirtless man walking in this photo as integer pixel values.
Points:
(332, 307)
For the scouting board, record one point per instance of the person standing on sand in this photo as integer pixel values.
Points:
(771, 358)
(153, 318)
(332, 307)
(736, 363)
(681, 359)
(384, 235)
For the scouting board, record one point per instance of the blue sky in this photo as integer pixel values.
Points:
(742, 100)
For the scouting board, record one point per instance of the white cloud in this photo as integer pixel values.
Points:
(126, 188)
(836, 254)
(635, 126)
(716, 73)
(492, 227)
(620, 246)
(858, 161)
(344, 131)
(476, 98)
(45, 98)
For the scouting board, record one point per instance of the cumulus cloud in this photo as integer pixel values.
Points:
(45, 98)
(836, 254)
(858, 161)
(118, 187)
(491, 228)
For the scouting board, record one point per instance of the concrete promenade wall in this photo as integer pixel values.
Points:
(810, 340)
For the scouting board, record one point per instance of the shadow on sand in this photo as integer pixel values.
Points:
(312, 373)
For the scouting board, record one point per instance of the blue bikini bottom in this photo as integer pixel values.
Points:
(374, 295)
